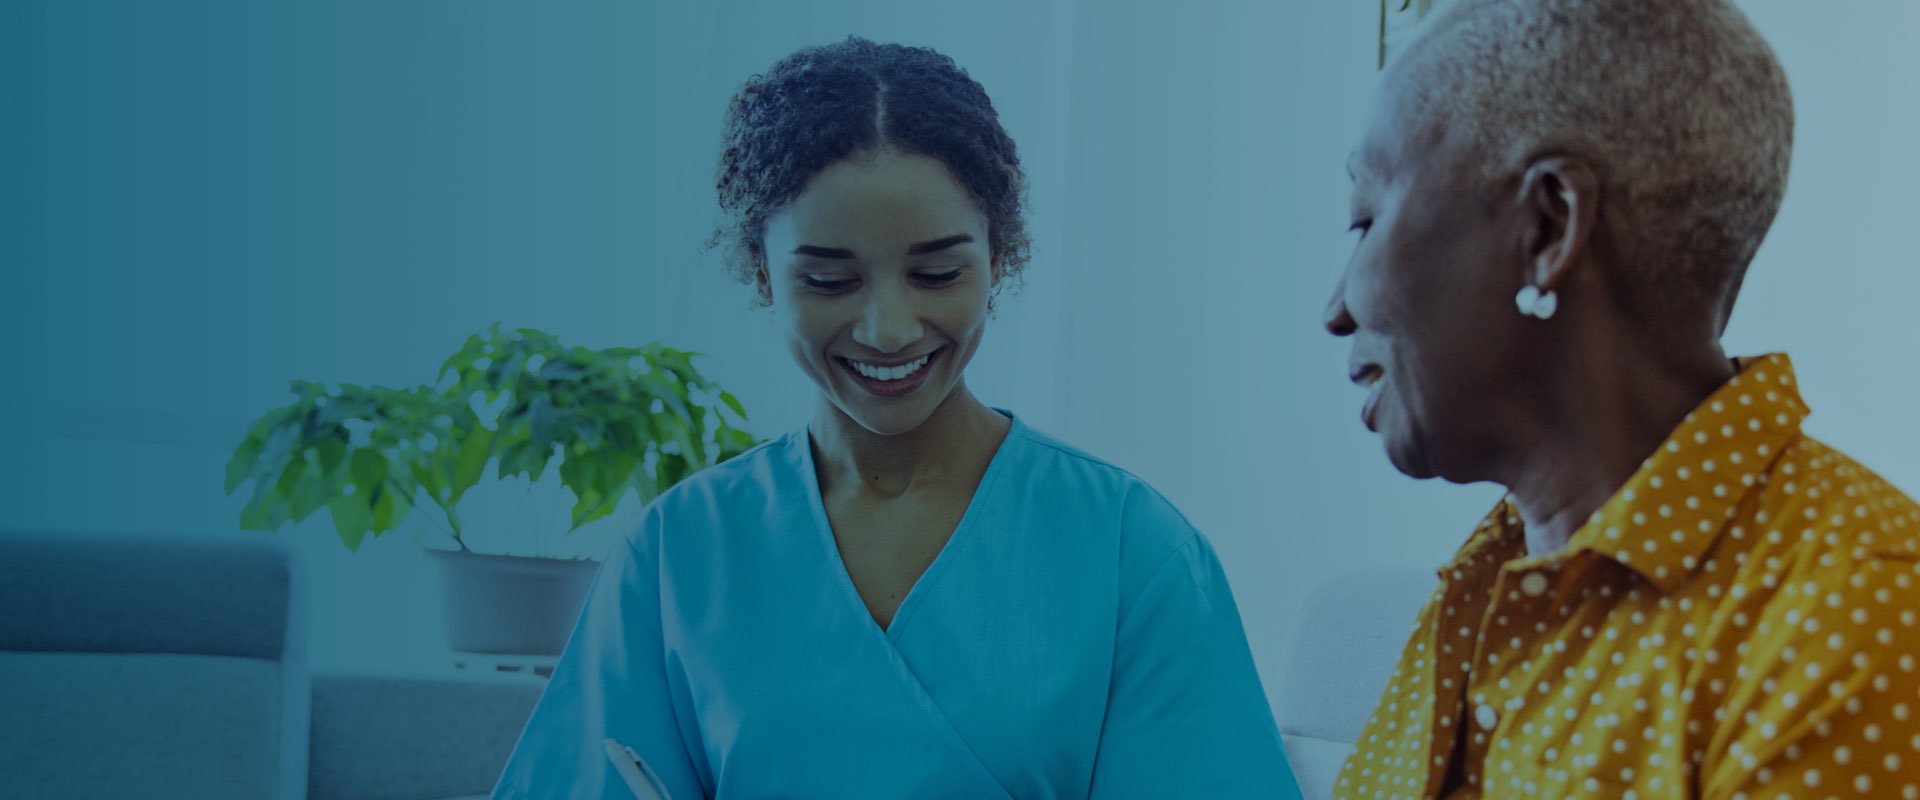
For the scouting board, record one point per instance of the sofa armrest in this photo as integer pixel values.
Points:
(380, 738)
(184, 656)
(1345, 645)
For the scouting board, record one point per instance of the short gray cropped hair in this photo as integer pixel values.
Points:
(1678, 105)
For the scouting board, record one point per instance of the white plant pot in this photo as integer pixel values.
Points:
(521, 593)
(514, 605)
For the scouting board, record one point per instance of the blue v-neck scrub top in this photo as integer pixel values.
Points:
(1075, 638)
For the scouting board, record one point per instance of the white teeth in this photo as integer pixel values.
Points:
(1374, 379)
(890, 373)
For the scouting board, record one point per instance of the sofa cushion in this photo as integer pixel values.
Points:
(84, 725)
(378, 738)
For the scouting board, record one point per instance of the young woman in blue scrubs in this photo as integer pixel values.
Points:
(917, 595)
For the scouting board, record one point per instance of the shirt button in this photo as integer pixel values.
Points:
(1485, 716)
(1534, 585)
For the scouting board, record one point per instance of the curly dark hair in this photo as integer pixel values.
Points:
(824, 104)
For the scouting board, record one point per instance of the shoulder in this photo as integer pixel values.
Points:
(1839, 510)
(1823, 621)
(1835, 562)
(1830, 544)
(1148, 529)
(1045, 452)
(754, 473)
(1069, 471)
(746, 485)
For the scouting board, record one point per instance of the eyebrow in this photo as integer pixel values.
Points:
(931, 246)
(939, 244)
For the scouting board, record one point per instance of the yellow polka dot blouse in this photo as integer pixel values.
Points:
(1740, 620)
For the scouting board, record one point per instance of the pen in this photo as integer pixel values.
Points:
(634, 770)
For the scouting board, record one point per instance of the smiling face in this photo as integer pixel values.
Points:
(1427, 297)
(881, 273)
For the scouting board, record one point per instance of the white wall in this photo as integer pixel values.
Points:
(1208, 225)
(1833, 286)
(234, 198)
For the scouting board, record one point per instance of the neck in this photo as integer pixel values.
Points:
(1607, 408)
(960, 436)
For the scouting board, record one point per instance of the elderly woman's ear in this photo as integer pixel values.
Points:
(1560, 196)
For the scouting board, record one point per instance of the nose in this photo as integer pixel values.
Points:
(1338, 319)
(890, 321)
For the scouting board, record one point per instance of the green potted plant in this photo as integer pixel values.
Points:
(623, 422)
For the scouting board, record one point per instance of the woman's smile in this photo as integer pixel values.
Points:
(892, 379)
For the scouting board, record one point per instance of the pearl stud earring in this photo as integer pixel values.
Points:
(1535, 303)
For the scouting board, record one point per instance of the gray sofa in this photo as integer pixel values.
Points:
(165, 667)
(160, 667)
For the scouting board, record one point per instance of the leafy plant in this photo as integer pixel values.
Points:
(621, 419)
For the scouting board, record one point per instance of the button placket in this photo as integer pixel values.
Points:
(1472, 586)
(1457, 648)
(1507, 638)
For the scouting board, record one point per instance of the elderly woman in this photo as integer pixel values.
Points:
(918, 595)
(1682, 594)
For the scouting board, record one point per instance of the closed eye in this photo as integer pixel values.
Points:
(939, 278)
(826, 285)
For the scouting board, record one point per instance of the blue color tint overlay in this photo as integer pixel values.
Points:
(202, 201)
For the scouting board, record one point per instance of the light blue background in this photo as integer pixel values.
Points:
(205, 200)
